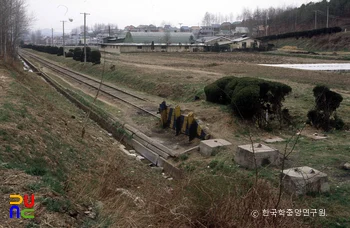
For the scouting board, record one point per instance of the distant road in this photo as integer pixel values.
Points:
(317, 66)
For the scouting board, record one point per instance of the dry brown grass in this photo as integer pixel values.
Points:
(133, 198)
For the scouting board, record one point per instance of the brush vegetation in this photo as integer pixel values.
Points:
(249, 98)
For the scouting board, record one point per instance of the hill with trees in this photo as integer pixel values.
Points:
(290, 19)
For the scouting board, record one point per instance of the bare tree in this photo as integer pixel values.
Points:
(207, 19)
(75, 31)
(14, 22)
(98, 28)
(218, 18)
(167, 37)
(33, 37)
(38, 36)
(103, 28)
(165, 23)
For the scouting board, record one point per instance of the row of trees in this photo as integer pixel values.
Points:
(14, 22)
(77, 54)
(211, 18)
(302, 34)
(97, 28)
(288, 19)
(262, 22)
(36, 37)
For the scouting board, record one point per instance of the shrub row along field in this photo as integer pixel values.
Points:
(93, 56)
(250, 98)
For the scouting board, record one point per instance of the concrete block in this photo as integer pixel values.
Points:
(316, 136)
(139, 158)
(151, 147)
(170, 169)
(264, 155)
(274, 140)
(122, 148)
(157, 169)
(206, 147)
(144, 151)
(302, 180)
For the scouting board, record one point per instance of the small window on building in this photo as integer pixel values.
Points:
(187, 47)
(139, 47)
(163, 47)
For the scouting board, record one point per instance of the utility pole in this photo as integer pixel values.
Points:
(180, 26)
(296, 20)
(64, 54)
(85, 35)
(327, 15)
(266, 24)
(51, 36)
(315, 19)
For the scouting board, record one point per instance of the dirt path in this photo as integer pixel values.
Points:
(160, 67)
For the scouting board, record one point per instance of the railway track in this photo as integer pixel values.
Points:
(110, 90)
(150, 148)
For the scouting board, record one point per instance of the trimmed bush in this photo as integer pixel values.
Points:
(95, 57)
(245, 103)
(54, 50)
(324, 116)
(47, 49)
(215, 94)
(60, 51)
(338, 123)
(230, 87)
(326, 99)
(88, 56)
(69, 54)
(250, 98)
(77, 54)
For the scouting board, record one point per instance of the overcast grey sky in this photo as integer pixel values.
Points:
(49, 13)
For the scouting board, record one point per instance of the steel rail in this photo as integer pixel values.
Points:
(82, 75)
(61, 69)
